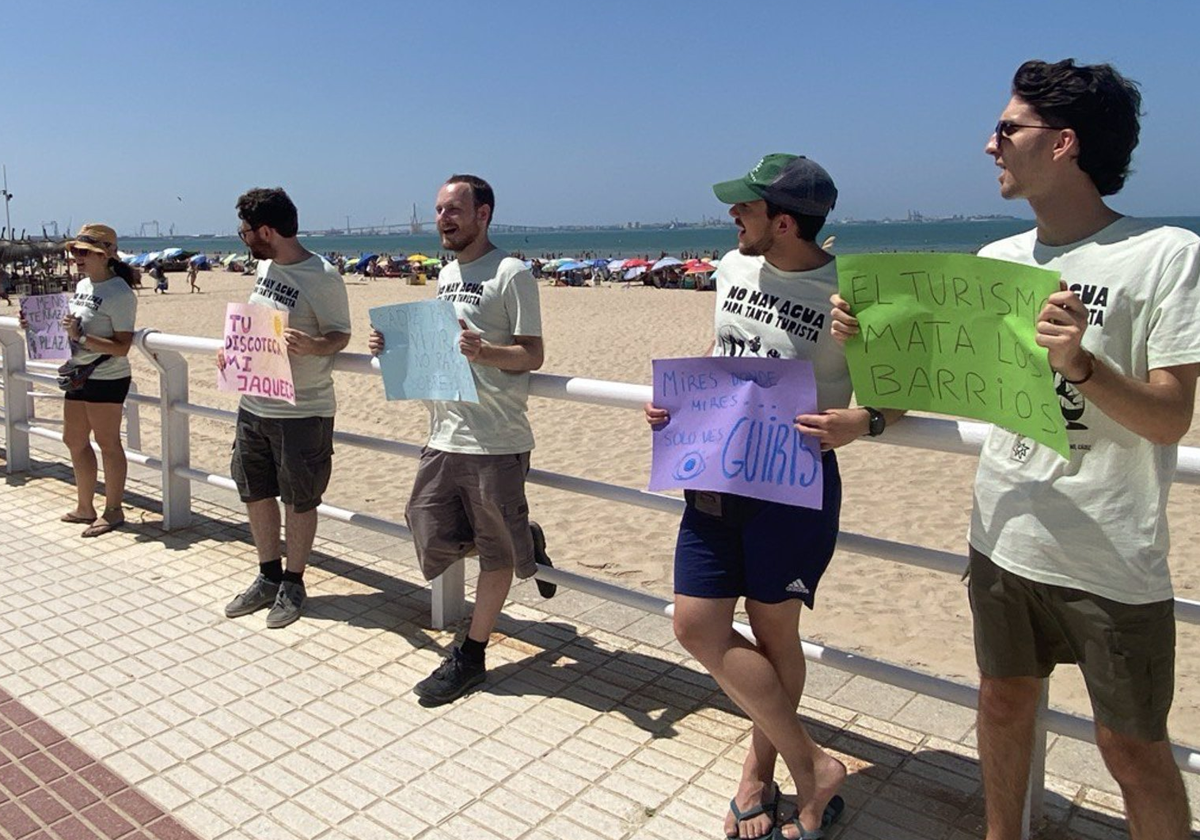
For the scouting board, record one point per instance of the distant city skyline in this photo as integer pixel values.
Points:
(578, 114)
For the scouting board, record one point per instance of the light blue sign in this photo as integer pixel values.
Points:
(420, 358)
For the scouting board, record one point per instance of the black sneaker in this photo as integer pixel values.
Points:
(260, 594)
(288, 604)
(450, 680)
(545, 588)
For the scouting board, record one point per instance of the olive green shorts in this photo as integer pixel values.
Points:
(1126, 651)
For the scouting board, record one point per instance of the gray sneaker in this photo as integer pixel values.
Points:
(260, 594)
(287, 604)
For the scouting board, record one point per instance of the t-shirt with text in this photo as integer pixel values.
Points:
(762, 311)
(1097, 521)
(104, 309)
(314, 296)
(498, 297)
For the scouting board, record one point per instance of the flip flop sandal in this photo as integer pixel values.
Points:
(771, 809)
(101, 527)
(831, 814)
(75, 519)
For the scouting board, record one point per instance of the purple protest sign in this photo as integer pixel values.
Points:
(45, 335)
(731, 428)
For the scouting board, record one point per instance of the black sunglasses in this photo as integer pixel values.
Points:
(242, 234)
(1006, 128)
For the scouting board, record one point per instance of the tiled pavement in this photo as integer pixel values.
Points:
(139, 711)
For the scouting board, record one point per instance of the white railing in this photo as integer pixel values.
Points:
(167, 354)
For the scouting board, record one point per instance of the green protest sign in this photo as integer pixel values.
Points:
(953, 334)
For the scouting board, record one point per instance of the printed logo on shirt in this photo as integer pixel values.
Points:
(87, 301)
(277, 291)
(775, 310)
(1020, 450)
(1070, 402)
(1095, 298)
(456, 291)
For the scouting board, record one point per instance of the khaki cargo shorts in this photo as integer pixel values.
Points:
(1126, 651)
(462, 502)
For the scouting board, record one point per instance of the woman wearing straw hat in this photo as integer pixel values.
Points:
(100, 325)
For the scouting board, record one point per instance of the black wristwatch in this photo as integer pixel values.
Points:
(878, 422)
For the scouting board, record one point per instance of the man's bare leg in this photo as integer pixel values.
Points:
(747, 676)
(264, 528)
(491, 591)
(1155, 799)
(1007, 712)
(301, 530)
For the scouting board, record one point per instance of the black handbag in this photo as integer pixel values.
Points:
(73, 376)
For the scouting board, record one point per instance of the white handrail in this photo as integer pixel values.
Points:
(956, 436)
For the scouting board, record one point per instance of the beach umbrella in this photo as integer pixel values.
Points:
(570, 265)
(698, 267)
(431, 261)
(636, 262)
(170, 253)
(232, 258)
(666, 262)
(597, 263)
(200, 260)
(418, 258)
(636, 271)
(364, 260)
(616, 265)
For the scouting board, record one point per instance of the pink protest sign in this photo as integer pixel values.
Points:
(45, 335)
(256, 360)
(732, 430)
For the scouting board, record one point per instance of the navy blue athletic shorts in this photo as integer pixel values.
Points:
(731, 546)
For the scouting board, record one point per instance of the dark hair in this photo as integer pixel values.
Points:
(125, 271)
(481, 191)
(807, 227)
(1094, 100)
(270, 207)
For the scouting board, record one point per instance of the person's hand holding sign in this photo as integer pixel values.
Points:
(375, 342)
(299, 343)
(834, 427)
(842, 325)
(470, 343)
(656, 416)
(1060, 328)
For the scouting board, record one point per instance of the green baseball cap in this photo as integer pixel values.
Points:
(792, 182)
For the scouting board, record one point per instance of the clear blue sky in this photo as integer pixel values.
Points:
(577, 113)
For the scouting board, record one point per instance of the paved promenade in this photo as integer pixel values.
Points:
(130, 707)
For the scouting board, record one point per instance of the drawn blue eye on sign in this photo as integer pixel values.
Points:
(689, 466)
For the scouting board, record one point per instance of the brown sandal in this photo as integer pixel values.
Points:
(76, 519)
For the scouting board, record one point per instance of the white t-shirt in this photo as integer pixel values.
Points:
(1097, 521)
(498, 297)
(314, 296)
(762, 311)
(104, 309)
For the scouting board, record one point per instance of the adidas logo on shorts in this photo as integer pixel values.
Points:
(796, 586)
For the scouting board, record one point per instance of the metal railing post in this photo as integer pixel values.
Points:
(172, 370)
(1035, 794)
(133, 422)
(17, 401)
(449, 601)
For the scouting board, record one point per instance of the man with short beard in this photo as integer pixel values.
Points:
(469, 491)
(282, 450)
(771, 554)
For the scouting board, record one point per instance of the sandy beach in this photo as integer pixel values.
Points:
(899, 614)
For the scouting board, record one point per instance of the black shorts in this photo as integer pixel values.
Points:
(731, 546)
(102, 391)
(291, 458)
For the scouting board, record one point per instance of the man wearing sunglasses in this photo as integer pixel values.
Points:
(1069, 555)
(283, 450)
